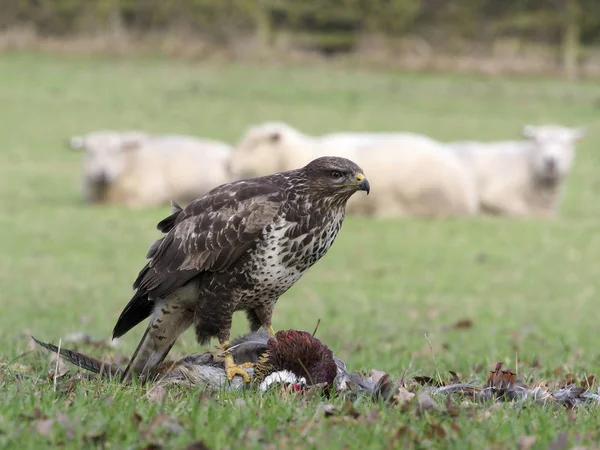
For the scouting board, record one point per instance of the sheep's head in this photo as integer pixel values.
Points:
(105, 157)
(261, 151)
(553, 150)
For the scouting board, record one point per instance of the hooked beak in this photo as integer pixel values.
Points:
(363, 183)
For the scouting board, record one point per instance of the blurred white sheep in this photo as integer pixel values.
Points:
(521, 178)
(138, 169)
(410, 174)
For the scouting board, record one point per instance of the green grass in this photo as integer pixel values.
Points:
(530, 287)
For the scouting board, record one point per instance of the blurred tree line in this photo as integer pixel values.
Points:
(325, 25)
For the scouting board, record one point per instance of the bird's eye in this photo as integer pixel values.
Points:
(335, 174)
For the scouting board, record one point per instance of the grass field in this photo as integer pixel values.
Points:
(530, 288)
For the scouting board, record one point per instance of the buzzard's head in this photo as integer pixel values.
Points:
(335, 177)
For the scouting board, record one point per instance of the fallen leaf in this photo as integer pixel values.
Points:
(427, 381)
(403, 433)
(67, 425)
(376, 375)
(57, 367)
(455, 378)
(435, 431)
(426, 403)
(402, 396)
(152, 446)
(567, 380)
(97, 438)
(164, 423)
(526, 442)
(452, 409)
(137, 418)
(432, 313)
(44, 426)
(561, 442)
(327, 409)
(157, 393)
(252, 436)
(463, 324)
(21, 368)
(240, 403)
(348, 409)
(413, 313)
(589, 381)
(501, 379)
(31, 345)
(198, 445)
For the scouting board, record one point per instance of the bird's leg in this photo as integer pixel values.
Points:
(231, 368)
(261, 316)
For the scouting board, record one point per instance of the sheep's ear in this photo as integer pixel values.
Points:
(528, 131)
(579, 133)
(76, 143)
(275, 137)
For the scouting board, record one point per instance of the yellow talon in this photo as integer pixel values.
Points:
(271, 331)
(232, 369)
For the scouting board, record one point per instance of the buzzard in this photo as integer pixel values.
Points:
(237, 248)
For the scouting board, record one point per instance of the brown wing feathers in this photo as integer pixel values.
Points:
(210, 234)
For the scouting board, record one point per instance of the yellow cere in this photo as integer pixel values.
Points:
(359, 177)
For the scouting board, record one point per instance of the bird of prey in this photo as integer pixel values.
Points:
(237, 248)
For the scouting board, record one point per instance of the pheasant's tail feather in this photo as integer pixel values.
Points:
(85, 362)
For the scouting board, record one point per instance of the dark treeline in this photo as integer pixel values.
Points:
(323, 25)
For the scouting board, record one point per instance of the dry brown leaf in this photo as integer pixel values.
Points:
(253, 435)
(427, 381)
(21, 368)
(435, 431)
(452, 409)
(31, 345)
(561, 442)
(97, 438)
(152, 446)
(432, 313)
(137, 418)
(589, 382)
(455, 378)
(402, 396)
(57, 367)
(376, 375)
(327, 409)
(404, 433)
(37, 414)
(66, 423)
(426, 403)
(44, 426)
(413, 313)
(463, 324)
(526, 442)
(198, 445)
(567, 380)
(240, 403)
(161, 422)
(501, 379)
(157, 393)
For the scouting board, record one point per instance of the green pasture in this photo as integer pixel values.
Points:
(385, 291)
